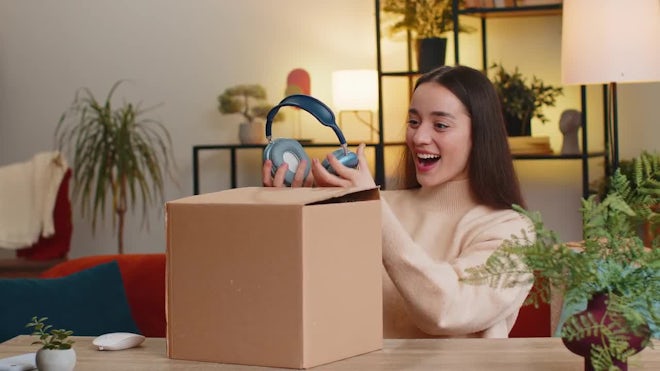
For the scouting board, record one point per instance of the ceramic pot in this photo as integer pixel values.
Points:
(597, 308)
(515, 127)
(431, 53)
(56, 359)
(252, 132)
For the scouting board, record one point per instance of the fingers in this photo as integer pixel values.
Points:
(266, 178)
(323, 178)
(278, 179)
(343, 177)
(362, 158)
(299, 176)
(339, 168)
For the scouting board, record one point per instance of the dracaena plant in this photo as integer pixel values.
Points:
(50, 338)
(611, 259)
(119, 155)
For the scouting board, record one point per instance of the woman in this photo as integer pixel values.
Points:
(454, 212)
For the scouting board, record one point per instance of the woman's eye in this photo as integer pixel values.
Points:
(440, 125)
(413, 123)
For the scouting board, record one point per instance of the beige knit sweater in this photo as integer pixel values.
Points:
(429, 237)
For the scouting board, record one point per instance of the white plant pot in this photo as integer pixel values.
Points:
(252, 132)
(56, 359)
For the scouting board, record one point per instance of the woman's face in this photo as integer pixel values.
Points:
(438, 135)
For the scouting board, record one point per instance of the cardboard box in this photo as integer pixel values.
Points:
(275, 277)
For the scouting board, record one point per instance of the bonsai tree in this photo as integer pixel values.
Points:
(611, 262)
(522, 100)
(50, 338)
(248, 100)
(118, 154)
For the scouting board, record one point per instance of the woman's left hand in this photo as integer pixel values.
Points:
(346, 176)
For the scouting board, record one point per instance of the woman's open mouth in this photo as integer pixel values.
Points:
(426, 160)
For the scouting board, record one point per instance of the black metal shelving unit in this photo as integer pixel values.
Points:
(484, 14)
(530, 11)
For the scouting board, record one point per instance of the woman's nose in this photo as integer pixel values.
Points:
(422, 134)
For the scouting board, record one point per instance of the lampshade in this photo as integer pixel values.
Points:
(355, 90)
(607, 41)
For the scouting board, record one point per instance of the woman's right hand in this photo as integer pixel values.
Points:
(278, 179)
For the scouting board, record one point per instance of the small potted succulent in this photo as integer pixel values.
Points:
(428, 21)
(522, 100)
(56, 352)
(250, 102)
(610, 280)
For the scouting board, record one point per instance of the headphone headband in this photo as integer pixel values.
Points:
(313, 106)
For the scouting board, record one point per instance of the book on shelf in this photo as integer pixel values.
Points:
(528, 145)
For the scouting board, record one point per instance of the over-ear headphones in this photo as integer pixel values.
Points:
(289, 151)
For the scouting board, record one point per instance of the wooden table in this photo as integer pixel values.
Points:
(538, 354)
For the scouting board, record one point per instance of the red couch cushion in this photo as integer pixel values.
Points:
(144, 281)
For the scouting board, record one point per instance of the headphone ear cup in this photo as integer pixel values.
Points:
(289, 151)
(349, 159)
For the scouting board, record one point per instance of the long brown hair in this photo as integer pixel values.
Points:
(492, 177)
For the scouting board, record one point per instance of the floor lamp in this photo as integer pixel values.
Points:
(610, 42)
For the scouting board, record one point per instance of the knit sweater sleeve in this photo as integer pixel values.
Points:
(435, 298)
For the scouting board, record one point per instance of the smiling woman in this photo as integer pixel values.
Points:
(438, 135)
(455, 210)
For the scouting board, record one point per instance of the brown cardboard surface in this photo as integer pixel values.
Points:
(268, 277)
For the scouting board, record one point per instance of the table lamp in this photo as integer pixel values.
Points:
(355, 91)
(610, 42)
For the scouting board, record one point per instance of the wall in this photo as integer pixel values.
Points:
(181, 55)
(176, 54)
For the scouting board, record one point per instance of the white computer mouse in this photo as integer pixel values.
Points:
(118, 341)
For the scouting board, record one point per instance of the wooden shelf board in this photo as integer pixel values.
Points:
(510, 12)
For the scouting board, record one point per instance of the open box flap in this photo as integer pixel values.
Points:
(283, 196)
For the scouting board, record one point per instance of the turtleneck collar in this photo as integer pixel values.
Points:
(453, 195)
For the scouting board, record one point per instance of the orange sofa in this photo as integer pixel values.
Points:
(143, 276)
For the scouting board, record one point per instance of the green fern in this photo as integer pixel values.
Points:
(612, 259)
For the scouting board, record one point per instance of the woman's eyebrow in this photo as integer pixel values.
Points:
(434, 113)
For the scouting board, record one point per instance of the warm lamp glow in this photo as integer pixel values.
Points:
(610, 42)
(607, 41)
(355, 90)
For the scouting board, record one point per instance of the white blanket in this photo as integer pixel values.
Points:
(28, 191)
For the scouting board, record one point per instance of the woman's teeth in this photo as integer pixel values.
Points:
(426, 158)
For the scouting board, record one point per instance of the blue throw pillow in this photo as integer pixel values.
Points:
(89, 303)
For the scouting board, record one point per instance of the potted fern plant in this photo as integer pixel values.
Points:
(428, 21)
(56, 352)
(644, 174)
(250, 102)
(610, 279)
(118, 154)
(521, 99)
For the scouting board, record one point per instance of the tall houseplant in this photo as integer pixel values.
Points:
(118, 155)
(428, 21)
(522, 100)
(611, 267)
